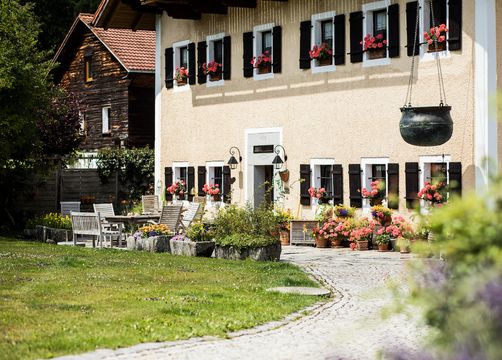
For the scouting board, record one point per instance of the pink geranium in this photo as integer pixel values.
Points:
(177, 188)
(181, 74)
(376, 191)
(437, 33)
(211, 68)
(319, 194)
(211, 189)
(436, 193)
(262, 60)
(373, 42)
(321, 52)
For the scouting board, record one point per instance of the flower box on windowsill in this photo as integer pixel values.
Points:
(325, 62)
(215, 76)
(441, 46)
(377, 54)
(265, 69)
(181, 82)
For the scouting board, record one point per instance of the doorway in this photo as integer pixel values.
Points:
(263, 184)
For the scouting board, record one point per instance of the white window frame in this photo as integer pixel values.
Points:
(368, 29)
(316, 37)
(425, 169)
(210, 166)
(176, 56)
(425, 16)
(366, 167)
(177, 165)
(257, 30)
(210, 57)
(106, 112)
(315, 172)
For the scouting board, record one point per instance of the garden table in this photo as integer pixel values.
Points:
(132, 219)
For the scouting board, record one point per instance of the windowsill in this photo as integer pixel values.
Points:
(181, 88)
(210, 83)
(376, 62)
(426, 56)
(106, 134)
(266, 76)
(322, 69)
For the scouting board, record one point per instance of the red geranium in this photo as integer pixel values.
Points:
(211, 189)
(211, 68)
(435, 193)
(321, 52)
(373, 42)
(262, 60)
(177, 188)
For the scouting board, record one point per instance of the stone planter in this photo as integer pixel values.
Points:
(151, 244)
(53, 236)
(264, 253)
(191, 248)
(30, 233)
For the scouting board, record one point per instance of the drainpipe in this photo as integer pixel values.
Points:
(158, 107)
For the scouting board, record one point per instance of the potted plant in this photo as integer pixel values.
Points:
(153, 238)
(323, 54)
(376, 194)
(284, 174)
(361, 235)
(213, 69)
(376, 46)
(404, 245)
(434, 194)
(263, 63)
(212, 190)
(319, 194)
(381, 214)
(283, 220)
(382, 240)
(321, 241)
(342, 211)
(181, 76)
(436, 38)
(177, 189)
(197, 242)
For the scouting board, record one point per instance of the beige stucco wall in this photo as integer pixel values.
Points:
(347, 114)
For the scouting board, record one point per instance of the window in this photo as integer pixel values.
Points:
(263, 44)
(88, 68)
(214, 171)
(375, 169)
(105, 117)
(434, 169)
(181, 55)
(375, 24)
(215, 53)
(433, 13)
(323, 31)
(322, 176)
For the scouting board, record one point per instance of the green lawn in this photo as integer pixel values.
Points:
(57, 300)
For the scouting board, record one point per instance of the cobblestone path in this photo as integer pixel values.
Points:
(348, 326)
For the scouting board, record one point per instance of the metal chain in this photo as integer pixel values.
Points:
(442, 92)
(407, 101)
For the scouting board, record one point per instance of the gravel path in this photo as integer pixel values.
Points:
(348, 326)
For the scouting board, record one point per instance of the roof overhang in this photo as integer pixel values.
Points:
(140, 14)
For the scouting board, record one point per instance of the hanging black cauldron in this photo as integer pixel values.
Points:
(426, 126)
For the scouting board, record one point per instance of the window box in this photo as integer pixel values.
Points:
(323, 35)
(375, 26)
(215, 56)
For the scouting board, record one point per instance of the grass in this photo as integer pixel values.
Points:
(57, 300)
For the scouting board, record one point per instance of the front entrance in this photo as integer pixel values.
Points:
(261, 180)
(263, 184)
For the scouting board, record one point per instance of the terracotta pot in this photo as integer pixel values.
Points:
(181, 82)
(325, 62)
(383, 247)
(336, 244)
(265, 69)
(284, 236)
(322, 242)
(441, 46)
(215, 77)
(377, 54)
(284, 175)
(362, 245)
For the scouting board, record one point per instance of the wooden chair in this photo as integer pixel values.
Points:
(170, 216)
(193, 213)
(89, 224)
(104, 209)
(68, 206)
(150, 204)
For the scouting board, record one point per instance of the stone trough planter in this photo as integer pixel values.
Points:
(192, 248)
(265, 253)
(151, 244)
(49, 235)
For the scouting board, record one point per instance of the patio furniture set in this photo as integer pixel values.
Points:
(105, 226)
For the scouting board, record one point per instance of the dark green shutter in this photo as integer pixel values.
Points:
(411, 18)
(168, 180)
(339, 48)
(393, 185)
(191, 182)
(455, 24)
(305, 46)
(247, 42)
(394, 30)
(356, 199)
(201, 59)
(168, 68)
(227, 57)
(411, 170)
(277, 49)
(455, 178)
(337, 184)
(305, 184)
(201, 180)
(227, 180)
(356, 36)
(191, 64)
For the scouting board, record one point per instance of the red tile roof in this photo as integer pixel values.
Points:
(135, 50)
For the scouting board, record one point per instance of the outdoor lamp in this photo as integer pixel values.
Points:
(233, 162)
(278, 162)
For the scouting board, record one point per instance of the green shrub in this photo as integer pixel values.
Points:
(200, 232)
(52, 220)
(242, 241)
(246, 226)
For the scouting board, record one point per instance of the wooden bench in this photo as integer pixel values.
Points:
(89, 224)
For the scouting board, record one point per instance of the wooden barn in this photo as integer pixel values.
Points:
(112, 72)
